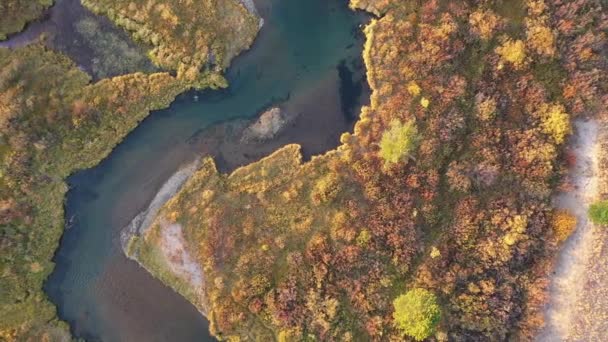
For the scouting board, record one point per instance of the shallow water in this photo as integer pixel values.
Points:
(102, 50)
(298, 62)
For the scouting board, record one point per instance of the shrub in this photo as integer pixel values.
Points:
(564, 224)
(483, 23)
(399, 141)
(326, 189)
(598, 213)
(364, 238)
(541, 38)
(414, 89)
(417, 313)
(555, 122)
(513, 52)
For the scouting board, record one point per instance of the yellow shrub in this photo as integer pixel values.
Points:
(555, 122)
(435, 253)
(564, 224)
(424, 102)
(363, 238)
(486, 109)
(513, 51)
(413, 88)
(399, 141)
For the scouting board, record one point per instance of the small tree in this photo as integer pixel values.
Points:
(399, 141)
(417, 313)
(598, 213)
(555, 122)
(513, 52)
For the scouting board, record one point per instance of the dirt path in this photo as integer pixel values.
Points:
(578, 305)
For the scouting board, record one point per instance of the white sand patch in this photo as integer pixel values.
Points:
(181, 262)
(143, 220)
(568, 286)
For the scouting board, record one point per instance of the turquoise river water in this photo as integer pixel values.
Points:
(307, 59)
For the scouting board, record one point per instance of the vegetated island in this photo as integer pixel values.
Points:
(433, 220)
(54, 121)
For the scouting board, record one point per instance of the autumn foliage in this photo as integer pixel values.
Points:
(15, 14)
(324, 249)
(564, 224)
(196, 38)
(53, 122)
(334, 241)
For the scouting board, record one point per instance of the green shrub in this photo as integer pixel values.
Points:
(598, 212)
(399, 141)
(417, 313)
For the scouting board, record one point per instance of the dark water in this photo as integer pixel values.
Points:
(307, 59)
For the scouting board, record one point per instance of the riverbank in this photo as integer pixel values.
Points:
(15, 15)
(314, 119)
(142, 222)
(60, 132)
(104, 295)
(456, 204)
(170, 261)
(93, 42)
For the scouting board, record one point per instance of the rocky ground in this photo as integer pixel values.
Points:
(267, 126)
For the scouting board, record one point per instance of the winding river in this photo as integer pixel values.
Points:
(307, 60)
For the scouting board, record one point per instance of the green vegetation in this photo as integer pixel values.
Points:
(15, 14)
(417, 313)
(196, 38)
(598, 213)
(399, 141)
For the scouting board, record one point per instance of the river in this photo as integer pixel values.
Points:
(307, 60)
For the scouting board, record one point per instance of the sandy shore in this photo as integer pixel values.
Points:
(143, 220)
(172, 246)
(574, 290)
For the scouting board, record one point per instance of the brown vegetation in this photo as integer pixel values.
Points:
(54, 121)
(323, 248)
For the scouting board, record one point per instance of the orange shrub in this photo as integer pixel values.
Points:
(564, 224)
